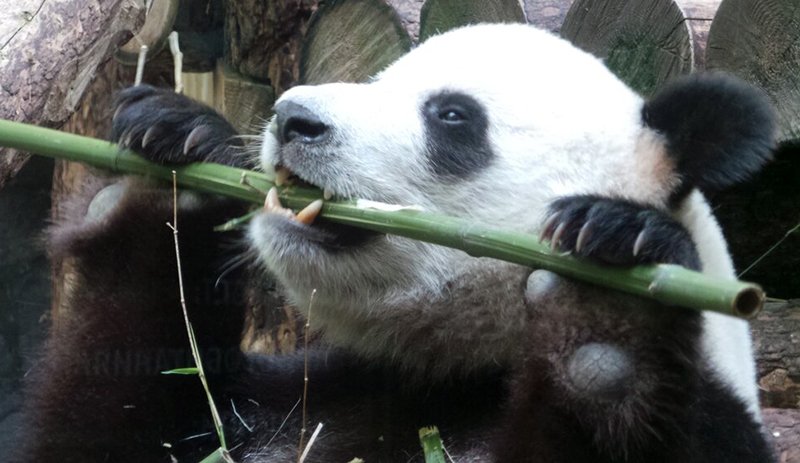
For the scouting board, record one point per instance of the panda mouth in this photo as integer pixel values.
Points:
(307, 222)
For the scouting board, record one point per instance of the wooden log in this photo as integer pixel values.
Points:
(644, 42)
(350, 41)
(92, 118)
(759, 40)
(50, 51)
(246, 103)
(776, 335)
(784, 427)
(263, 38)
(158, 24)
(438, 16)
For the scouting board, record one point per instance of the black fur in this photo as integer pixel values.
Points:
(457, 134)
(99, 395)
(613, 226)
(673, 410)
(719, 130)
(172, 117)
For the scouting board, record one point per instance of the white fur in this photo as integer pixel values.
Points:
(560, 124)
(726, 340)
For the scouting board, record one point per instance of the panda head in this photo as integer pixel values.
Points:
(465, 109)
(490, 123)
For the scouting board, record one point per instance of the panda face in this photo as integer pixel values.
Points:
(442, 125)
(462, 125)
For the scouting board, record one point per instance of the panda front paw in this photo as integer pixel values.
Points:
(170, 128)
(618, 232)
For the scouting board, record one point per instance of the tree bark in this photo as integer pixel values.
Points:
(51, 56)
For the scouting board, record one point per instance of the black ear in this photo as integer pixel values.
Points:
(719, 129)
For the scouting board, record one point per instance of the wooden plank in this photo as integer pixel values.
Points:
(644, 42)
(350, 41)
(759, 40)
(438, 16)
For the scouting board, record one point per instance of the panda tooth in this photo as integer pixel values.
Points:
(272, 203)
(327, 194)
(282, 175)
(310, 212)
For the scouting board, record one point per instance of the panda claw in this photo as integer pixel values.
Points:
(547, 228)
(556, 238)
(639, 243)
(119, 110)
(149, 135)
(194, 138)
(126, 139)
(583, 235)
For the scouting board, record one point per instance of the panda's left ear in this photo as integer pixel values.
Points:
(719, 130)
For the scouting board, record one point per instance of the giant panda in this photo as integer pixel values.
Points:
(504, 125)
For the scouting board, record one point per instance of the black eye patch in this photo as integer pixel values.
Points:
(456, 134)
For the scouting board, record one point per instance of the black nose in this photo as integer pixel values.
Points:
(296, 122)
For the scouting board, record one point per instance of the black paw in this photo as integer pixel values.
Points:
(169, 128)
(618, 232)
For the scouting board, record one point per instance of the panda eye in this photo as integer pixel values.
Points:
(452, 115)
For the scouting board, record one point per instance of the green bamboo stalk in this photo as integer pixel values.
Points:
(668, 284)
(432, 446)
(218, 456)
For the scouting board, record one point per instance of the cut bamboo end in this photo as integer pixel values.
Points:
(749, 302)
